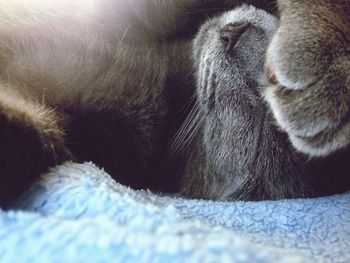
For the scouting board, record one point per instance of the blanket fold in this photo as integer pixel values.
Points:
(77, 213)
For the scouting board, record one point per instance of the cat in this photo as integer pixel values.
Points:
(112, 81)
(94, 80)
(239, 152)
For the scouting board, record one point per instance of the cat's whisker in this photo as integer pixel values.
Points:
(186, 133)
(191, 134)
(179, 143)
(181, 133)
(185, 107)
(125, 32)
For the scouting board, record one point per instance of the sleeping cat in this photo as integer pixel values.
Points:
(112, 82)
(94, 80)
(239, 152)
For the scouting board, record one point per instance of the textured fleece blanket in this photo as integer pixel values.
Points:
(77, 213)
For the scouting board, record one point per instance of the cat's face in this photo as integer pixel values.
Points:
(240, 142)
(229, 53)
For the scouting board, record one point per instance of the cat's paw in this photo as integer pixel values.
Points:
(31, 141)
(308, 65)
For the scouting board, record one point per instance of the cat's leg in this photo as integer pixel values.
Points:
(308, 63)
(31, 140)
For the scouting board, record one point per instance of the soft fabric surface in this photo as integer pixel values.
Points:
(77, 213)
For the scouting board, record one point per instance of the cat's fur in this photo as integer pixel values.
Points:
(109, 81)
(96, 80)
(310, 59)
(239, 153)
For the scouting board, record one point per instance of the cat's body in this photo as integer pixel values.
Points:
(102, 79)
(111, 82)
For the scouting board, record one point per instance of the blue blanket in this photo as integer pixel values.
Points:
(77, 213)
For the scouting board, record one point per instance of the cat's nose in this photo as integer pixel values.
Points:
(230, 34)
